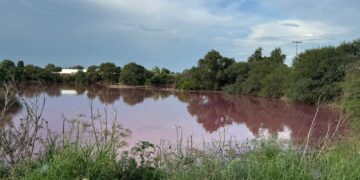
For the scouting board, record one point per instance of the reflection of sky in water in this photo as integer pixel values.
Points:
(153, 115)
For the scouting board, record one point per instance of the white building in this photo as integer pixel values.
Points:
(71, 71)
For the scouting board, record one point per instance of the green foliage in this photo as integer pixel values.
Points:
(318, 73)
(8, 69)
(80, 77)
(262, 76)
(77, 163)
(52, 68)
(133, 74)
(277, 56)
(209, 74)
(160, 77)
(109, 72)
(258, 70)
(266, 159)
(351, 94)
(186, 84)
(77, 67)
(20, 64)
(92, 74)
(256, 56)
(274, 84)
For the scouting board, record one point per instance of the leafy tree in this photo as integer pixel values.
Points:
(133, 74)
(351, 85)
(32, 72)
(236, 74)
(160, 77)
(156, 70)
(277, 56)
(52, 68)
(9, 69)
(80, 77)
(259, 69)
(210, 72)
(20, 64)
(274, 84)
(92, 74)
(109, 72)
(7, 64)
(165, 71)
(186, 80)
(256, 56)
(317, 74)
(77, 67)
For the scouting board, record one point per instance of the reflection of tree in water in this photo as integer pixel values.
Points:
(34, 89)
(183, 96)
(211, 111)
(6, 119)
(135, 96)
(108, 95)
(105, 94)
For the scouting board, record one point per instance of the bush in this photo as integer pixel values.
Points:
(133, 74)
(186, 84)
(351, 97)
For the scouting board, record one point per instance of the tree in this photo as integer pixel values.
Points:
(277, 56)
(109, 72)
(32, 72)
(165, 71)
(351, 85)
(317, 74)
(20, 64)
(274, 84)
(236, 74)
(156, 70)
(80, 77)
(77, 67)
(133, 74)
(209, 74)
(256, 56)
(9, 69)
(160, 77)
(259, 69)
(92, 74)
(52, 68)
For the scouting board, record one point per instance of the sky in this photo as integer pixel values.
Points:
(168, 33)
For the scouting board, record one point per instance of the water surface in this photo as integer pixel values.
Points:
(152, 115)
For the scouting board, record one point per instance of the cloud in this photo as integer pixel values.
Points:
(172, 33)
(305, 30)
(165, 11)
(290, 24)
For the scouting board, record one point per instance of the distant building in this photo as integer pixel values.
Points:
(71, 71)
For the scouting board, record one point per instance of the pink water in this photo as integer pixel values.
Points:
(152, 115)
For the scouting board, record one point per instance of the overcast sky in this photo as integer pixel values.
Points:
(167, 33)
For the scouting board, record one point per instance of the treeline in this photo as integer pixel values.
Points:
(130, 74)
(316, 74)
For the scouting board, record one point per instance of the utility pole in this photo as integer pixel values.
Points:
(297, 44)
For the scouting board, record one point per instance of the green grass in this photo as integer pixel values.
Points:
(267, 161)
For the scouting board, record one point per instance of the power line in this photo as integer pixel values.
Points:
(297, 44)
